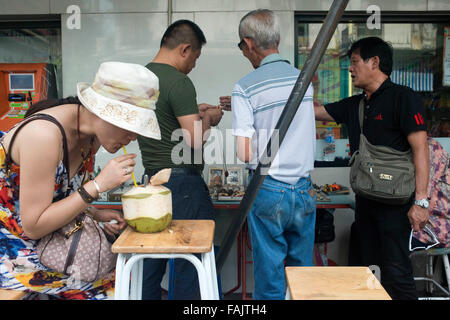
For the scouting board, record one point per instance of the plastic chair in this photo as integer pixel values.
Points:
(430, 253)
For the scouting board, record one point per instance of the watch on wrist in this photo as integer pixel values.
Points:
(424, 203)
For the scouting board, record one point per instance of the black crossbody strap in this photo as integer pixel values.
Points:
(73, 248)
(40, 116)
(361, 114)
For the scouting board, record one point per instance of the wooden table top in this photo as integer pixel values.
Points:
(334, 283)
(181, 236)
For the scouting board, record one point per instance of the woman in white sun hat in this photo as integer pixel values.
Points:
(51, 181)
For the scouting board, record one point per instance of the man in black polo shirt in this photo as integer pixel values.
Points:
(394, 116)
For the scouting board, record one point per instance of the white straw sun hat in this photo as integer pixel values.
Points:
(125, 95)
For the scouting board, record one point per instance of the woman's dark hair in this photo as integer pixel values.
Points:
(371, 47)
(183, 31)
(50, 103)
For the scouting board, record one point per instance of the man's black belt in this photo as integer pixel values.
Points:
(176, 171)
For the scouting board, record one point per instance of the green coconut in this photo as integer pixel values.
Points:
(150, 225)
(148, 209)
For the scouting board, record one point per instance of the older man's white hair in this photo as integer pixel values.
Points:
(263, 27)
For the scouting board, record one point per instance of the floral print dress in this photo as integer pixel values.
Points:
(19, 265)
(439, 194)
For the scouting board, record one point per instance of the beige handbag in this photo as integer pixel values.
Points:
(79, 249)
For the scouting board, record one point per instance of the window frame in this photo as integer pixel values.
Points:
(362, 16)
(390, 17)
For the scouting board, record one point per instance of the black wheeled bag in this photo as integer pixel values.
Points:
(324, 229)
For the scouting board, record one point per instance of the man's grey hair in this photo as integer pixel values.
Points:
(263, 27)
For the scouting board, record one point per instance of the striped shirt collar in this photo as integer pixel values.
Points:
(274, 57)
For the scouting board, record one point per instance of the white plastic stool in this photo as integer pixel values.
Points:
(182, 239)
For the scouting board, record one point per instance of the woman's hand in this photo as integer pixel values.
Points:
(116, 172)
(106, 215)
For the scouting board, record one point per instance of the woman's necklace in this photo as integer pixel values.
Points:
(84, 156)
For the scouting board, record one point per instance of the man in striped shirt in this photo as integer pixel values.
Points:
(282, 219)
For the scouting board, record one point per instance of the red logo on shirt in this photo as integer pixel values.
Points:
(378, 117)
(419, 119)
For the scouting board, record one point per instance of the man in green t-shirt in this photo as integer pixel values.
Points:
(184, 129)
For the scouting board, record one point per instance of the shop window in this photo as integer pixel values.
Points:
(32, 41)
(419, 63)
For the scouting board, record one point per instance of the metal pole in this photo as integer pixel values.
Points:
(169, 12)
(298, 92)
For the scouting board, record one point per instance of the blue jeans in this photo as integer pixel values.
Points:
(281, 224)
(190, 200)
